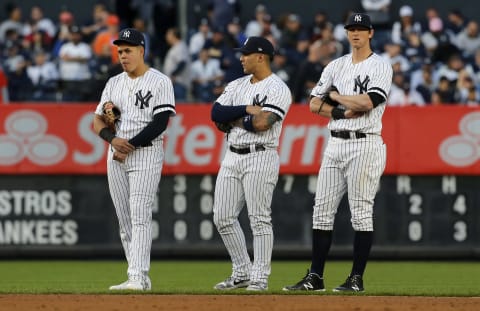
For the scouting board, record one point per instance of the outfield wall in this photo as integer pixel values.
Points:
(54, 199)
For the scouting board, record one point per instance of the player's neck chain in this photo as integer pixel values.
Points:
(131, 84)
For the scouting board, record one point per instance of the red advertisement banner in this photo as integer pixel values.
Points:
(59, 139)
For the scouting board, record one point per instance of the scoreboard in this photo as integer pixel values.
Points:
(415, 217)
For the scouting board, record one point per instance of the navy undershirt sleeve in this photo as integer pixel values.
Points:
(225, 114)
(152, 130)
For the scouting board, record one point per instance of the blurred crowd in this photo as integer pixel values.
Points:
(436, 59)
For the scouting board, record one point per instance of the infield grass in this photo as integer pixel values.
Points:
(198, 277)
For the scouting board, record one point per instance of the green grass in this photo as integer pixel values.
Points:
(198, 277)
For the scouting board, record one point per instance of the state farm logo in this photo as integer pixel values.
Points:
(26, 138)
(463, 150)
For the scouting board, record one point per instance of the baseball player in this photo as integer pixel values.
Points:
(352, 92)
(145, 99)
(252, 108)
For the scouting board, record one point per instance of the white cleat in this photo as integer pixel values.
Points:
(143, 284)
(257, 286)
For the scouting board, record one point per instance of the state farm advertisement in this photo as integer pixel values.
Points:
(59, 139)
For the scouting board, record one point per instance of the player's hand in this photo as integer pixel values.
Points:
(122, 145)
(119, 156)
(350, 114)
(253, 110)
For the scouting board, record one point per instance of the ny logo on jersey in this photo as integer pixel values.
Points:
(257, 101)
(361, 86)
(142, 100)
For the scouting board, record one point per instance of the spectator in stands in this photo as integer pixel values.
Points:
(308, 74)
(456, 22)
(414, 51)
(102, 43)
(294, 40)
(320, 21)
(468, 40)
(235, 32)
(74, 69)
(97, 23)
(220, 48)
(401, 94)
(467, 92)
(198, 39)
(177, 63)
(381, 19)
(164, 16)
(44, 76)
(15, 64)
(451, 70)
(430, 13)
(329, 48)
(38, 40)
(262, 24)
(405, 26)
(140, 25)
(444, 94)
(207, 77)
(254, 27)
(14, 21)
(476, 68)
(424, 83)
(223, 12)
(65, 21)
(438, 42)
(280, 68)
(4, 97)
(393, 54)
(38, 22)
(339, 32)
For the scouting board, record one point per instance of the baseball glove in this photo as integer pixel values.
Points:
(111, 114)
(327, 99)
(224, 127)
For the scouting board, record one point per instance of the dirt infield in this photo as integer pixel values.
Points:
(235, 302)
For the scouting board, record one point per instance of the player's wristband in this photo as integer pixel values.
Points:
(106, 135)
(338, 113)
(248, 123)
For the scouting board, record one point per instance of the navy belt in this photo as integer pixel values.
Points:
(347, 134)
(247, 150)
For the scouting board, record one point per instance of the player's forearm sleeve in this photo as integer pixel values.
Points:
(152, 130)
(224, 114)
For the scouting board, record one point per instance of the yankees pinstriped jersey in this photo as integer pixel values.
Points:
(134, 183)
(373, 74)
(352, 164)
(250, 178)
(271, 94)
(138, 100)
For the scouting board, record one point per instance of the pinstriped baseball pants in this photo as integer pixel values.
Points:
(354, 166)
(250, 179)
(133, 186)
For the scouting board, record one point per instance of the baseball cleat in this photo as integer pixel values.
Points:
(310, 282)
(354, 283)
(231, 283)
(257, 286)
(143, 284)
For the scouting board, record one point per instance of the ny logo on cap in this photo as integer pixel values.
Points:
(358, 18)
(126, 34)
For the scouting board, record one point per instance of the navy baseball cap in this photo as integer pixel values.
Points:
(257, 45)
(358, 19)
(130, 36)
